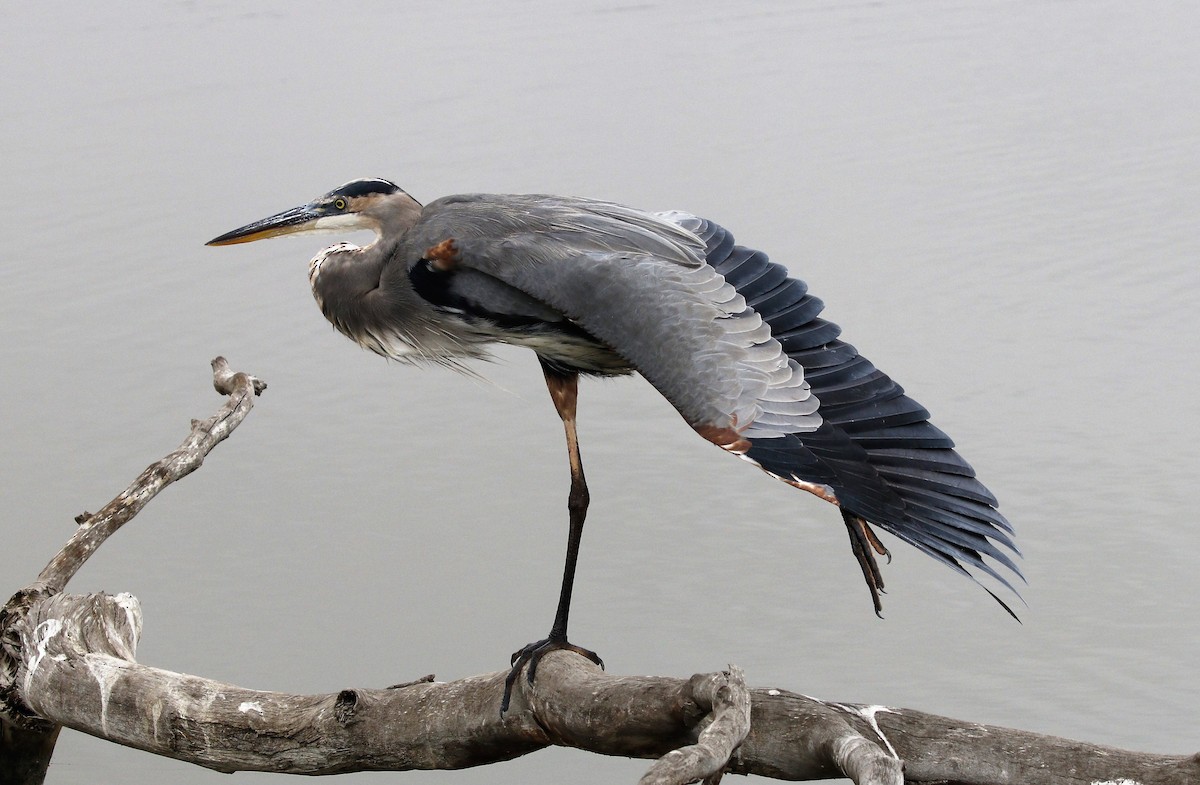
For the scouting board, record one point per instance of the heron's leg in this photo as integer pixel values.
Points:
(862, 542)
(564, 390)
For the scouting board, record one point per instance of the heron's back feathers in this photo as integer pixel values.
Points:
(637, 284)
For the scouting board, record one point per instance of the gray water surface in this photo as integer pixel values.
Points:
(997, 201)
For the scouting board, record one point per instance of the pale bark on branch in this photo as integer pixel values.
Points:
(69, 660)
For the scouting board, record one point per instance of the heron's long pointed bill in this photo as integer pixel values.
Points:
(297, 219)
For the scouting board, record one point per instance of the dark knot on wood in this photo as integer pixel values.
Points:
(345, 706)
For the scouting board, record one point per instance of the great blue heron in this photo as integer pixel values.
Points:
(595, 288)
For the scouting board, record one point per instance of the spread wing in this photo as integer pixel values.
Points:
(728, 337)
(876, 447)
(637, 283)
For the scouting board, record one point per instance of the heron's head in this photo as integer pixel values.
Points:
(373, 204)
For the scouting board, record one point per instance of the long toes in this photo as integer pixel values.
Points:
(551, 645)
(588, 653)
(862, 542)
(873, 539)
(529, 656)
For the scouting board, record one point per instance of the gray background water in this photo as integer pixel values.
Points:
(997, 201)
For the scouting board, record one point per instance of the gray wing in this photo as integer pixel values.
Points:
(681, 302)
(876, 448)
(640, 285)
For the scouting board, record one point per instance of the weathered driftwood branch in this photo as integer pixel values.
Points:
(68, 660)
(79, 672)
(205, 435)
(27, 741)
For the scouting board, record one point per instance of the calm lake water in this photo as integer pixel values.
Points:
(997, 201)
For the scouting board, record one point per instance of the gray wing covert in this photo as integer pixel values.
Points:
(640, 285)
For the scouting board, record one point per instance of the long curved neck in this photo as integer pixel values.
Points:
(366, 294)
(345, 282)
(344, 275)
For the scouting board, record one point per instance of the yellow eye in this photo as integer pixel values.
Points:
(340, 204)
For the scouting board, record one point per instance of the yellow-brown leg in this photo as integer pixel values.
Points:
(564, 391)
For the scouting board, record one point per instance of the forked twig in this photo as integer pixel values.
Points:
(205, 435)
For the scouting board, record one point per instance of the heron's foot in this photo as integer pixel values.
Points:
(530, 655)
(863, 541)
